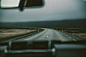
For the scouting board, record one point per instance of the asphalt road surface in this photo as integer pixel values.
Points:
(51, 34)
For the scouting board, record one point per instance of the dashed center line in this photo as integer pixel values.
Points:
(74, 39)
(47, 36)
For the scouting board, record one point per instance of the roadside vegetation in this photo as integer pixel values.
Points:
(4, 33)
(81, 33)
(78, 32)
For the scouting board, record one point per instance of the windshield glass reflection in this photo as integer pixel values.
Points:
(9, 3)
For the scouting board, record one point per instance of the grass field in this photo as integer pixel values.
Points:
(81, 33)
(13, 32)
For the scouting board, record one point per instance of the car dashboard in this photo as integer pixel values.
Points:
(43, 48)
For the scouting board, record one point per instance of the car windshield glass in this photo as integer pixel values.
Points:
(63, 20)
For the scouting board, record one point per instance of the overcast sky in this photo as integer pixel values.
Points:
(52, 10)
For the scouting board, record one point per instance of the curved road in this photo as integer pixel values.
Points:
(50, 34)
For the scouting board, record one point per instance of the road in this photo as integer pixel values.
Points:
(51, 34)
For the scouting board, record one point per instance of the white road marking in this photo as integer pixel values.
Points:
(70, 37)
(74, 39)
(47, 36)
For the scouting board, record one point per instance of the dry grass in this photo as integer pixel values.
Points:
(13, 32)
(80, 35)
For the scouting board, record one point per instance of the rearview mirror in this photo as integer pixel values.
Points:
(21, 4)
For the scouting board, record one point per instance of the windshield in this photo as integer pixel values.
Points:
(63, 20)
